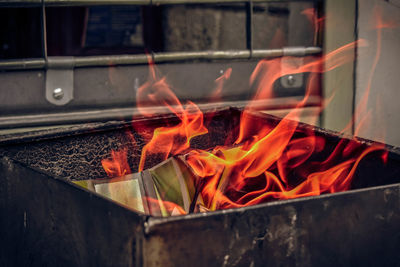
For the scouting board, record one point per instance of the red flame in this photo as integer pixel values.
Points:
(266, 162)
(170, 140)
(261, 149)
(117, 165)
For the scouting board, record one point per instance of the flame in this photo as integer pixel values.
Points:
(270, 153)
(268, 71)
(117, 165)
(265, 162)
(169, 140)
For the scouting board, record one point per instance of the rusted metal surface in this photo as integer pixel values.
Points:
(359, 228)
(47, 221)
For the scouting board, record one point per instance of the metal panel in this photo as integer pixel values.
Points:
(384, 81)
(358, 228)
(46, 220)
(329, 230)
(339, 30)
(110, 93)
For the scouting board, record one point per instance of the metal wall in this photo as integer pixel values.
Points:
(384, 77)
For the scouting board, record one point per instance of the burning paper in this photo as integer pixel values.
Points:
(234, 176)
(265, 162)
(164, 190)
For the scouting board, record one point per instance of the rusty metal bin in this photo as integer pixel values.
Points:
(46, 220)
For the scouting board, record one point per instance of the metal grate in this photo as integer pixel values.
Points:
(69, 81)
(90, 61)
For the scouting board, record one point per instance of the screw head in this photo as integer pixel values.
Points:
(58, 93)
(291, 80)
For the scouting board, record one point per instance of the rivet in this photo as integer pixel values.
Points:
(58, 93)
(291, 80)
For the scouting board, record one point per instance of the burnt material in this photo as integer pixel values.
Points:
(47, 221)
(64, 155)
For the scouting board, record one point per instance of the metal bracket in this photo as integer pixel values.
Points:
(60, 80)
(293, 56)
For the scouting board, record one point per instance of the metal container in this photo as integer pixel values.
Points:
(46, 220)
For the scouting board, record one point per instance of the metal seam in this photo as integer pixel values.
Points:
(103, 61)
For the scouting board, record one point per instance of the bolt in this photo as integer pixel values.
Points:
(291, 80)
(58, 93)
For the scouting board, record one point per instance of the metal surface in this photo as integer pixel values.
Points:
(249, 26)
(359, 228)
(329, 230)
(47, 221)
(59, 81)
(127, 113)
(115, 60)
(292, 80)
(383, 87)
(102, 94)
(22, 64)
(52, 223)
(58, 93)
(123, 2)
(339, 30)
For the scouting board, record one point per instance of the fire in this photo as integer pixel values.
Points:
(118, 165)
(172, 139)
(265, 162)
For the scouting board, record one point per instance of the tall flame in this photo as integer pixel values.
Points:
(265, 153)
(169, 140)
(265, 162)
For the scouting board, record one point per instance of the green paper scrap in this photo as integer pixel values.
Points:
(147, 191)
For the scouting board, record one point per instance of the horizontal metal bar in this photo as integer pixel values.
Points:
(179, 56)
(12, 3)
(21, 64)
(7, 122)
(101, 61)
(93, 61)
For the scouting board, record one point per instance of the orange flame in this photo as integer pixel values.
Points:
(261, 149)
(266, 162)
(118, 165)
(170, 140)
